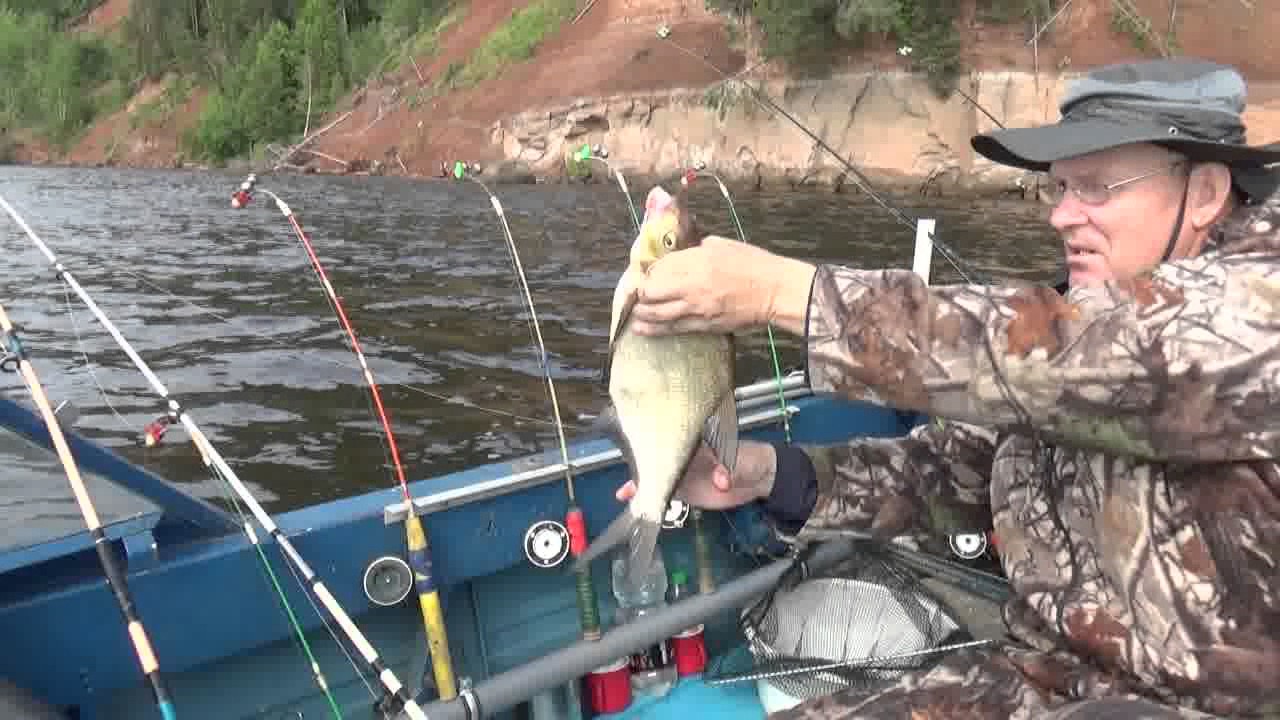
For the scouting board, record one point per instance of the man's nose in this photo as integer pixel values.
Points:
(1068, 213)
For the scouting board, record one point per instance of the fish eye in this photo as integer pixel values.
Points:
(669, 240)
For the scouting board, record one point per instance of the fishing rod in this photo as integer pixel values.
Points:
(700, 170)
(575, 521)
(966, 270)
(218, 465)
(416, 535)
(701, 545)
(15, 357)
(152, 435)
(598, 153)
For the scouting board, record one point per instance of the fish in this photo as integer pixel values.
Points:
(668, 394)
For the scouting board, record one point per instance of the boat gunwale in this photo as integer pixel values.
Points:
(546, 468)
(794, 386)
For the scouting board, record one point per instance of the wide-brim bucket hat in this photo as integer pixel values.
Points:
(1191, 106)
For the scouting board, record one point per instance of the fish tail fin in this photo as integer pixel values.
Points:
(620, 529)
(644, 543)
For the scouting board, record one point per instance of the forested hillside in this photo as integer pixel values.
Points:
(271, 66)
(172, 82)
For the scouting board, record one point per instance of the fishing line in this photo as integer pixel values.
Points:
(419, 545)
(945, 250)
(88, 365)
(965, 269)
(15, 354)
(588, 606)
(212, 457)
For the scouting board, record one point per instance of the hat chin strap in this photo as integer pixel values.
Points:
(1177, 224)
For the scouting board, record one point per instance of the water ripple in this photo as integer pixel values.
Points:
(424, 274)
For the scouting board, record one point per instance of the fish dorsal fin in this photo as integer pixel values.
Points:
(721, 429)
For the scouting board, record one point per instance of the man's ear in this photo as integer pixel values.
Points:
(1210, 196)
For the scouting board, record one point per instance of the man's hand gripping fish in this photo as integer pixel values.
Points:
(668, 392)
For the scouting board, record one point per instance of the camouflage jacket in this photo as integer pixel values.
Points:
(1122, 442)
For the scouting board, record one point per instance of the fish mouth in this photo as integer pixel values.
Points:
(642, 259)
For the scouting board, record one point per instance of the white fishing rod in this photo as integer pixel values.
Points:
(212, 457)
(599, 154)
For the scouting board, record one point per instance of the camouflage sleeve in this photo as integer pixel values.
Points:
(1178, 366)
(935, 481)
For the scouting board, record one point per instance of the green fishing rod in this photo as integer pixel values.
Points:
(687, 179)
(701, 545)
(15, 358)
(575, 521)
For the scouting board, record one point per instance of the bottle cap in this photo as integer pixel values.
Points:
(679, 577)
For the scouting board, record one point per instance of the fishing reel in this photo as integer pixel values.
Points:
(967, 546)
(242, 197)
(154, 431)
(676, 515)
(13, 352)
(387, 580)
(546, 543)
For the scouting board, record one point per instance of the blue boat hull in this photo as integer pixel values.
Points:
(223, 640)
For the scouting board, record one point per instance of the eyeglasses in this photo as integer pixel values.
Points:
(1092, 193)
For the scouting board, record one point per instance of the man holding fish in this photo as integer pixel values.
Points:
(1122, 441)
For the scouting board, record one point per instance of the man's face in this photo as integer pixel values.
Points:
(1116, 233)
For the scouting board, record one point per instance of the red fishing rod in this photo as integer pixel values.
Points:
(418, 544)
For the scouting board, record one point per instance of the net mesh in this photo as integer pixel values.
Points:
(860, 625)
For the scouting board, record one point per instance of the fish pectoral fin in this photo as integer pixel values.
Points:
(721, 431)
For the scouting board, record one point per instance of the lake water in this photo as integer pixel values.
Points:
(224, 307)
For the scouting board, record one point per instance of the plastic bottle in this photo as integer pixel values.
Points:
(653, 670)
(688, 648)
(679, 586)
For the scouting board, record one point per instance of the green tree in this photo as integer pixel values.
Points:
(268, 96)
(221, 132)
(806, 32)
(802, 31)
(320, 39)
